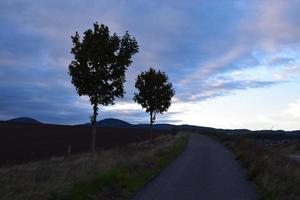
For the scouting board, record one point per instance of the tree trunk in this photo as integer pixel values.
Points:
(93, 141)
(94, 130)
(151, 124)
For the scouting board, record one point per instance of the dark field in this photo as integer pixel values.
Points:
(23, 142)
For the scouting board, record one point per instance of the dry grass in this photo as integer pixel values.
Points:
(276, 175)
(54, 178)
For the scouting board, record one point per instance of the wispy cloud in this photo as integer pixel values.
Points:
(215, 66)
(216, 88)
(272, 24)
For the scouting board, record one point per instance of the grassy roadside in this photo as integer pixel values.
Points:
(116, 174)
(276, 175)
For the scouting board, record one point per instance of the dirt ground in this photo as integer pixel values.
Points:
(23, 142)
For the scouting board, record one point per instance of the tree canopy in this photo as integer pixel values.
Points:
(101, 60)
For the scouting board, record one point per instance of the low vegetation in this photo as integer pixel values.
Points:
(115, 174)
(273, 165)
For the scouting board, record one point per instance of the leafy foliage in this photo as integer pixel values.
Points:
(101, 60)
(155, 92)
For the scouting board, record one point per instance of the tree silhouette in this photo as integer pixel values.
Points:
(154, 93)
(99, 65)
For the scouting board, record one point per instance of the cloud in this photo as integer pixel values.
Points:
(7, 58)
(279, 61)
(216, 88)
(287, 68)
(294, 109)
(215, 66)
(267, 29)
(288, 73)
(272, 23)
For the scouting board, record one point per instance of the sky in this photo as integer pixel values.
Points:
(233, 63)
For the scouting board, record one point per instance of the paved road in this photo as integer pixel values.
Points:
(206, 170)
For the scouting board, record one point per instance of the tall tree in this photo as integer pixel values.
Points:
(154, 93)
(99, 65)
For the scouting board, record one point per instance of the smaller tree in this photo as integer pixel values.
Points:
(154, 93)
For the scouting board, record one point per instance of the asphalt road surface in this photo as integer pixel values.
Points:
(206, 170)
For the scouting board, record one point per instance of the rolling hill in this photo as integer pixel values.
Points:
(24, 120)
(113, 123)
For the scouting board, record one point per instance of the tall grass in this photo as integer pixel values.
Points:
(77, 177)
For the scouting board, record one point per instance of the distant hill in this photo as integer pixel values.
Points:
(24, 120)
(112, 123)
